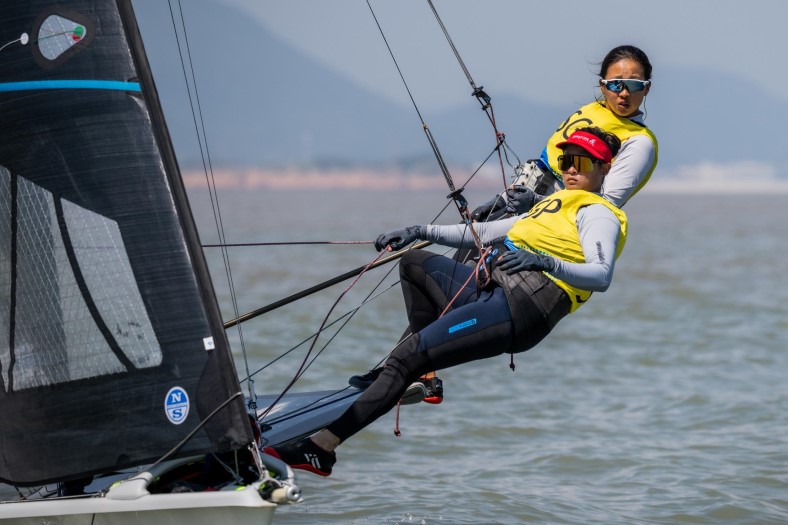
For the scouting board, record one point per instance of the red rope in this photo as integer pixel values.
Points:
(319, 331)
(475, 273)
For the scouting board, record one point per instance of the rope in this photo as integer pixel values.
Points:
(349, 314)
(475, 273)
(282, 243)
(455, 195)
(191, 434)
(303, 365)
(205, 155)
(458, 199)
(484, 99)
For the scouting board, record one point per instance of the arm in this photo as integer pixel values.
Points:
(630, 167)
(459, 235)
(599, 231)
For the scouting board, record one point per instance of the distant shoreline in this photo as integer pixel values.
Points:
(371, 179)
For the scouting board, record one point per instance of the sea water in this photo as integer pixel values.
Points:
(663, 400)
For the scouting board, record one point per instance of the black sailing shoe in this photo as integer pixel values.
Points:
(434, 387)
(363, 381)
(415, 393)
(305, 455)
(429, 390)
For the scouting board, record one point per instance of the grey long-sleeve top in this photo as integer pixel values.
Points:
(598, 229)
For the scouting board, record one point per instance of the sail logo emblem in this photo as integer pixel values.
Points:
(176, 405)
(57, 34)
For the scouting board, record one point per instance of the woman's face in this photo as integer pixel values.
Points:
(584, 180)
(624, 103)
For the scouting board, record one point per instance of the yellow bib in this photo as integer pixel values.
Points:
(595, 114)
(551, 228)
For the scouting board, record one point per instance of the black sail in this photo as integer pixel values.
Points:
(112, 348)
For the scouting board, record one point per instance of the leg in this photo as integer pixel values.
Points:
(476, 330)
(429, 281)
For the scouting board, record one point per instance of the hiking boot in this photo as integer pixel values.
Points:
(434, 387)
(304, 455)
(363, 381)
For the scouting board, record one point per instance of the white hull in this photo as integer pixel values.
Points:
(195, 508)
(129, 502)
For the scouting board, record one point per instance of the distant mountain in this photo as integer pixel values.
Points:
(702, 115)
(266, 104)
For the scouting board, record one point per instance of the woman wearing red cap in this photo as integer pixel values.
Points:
(545, 265)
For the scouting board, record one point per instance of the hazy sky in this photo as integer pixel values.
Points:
(545, 51)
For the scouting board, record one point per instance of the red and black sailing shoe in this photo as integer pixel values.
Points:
(434, 387)
(304, 455)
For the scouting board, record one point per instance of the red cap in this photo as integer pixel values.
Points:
(597, 147)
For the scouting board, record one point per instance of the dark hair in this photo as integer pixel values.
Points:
(622, 52)
(610, 139)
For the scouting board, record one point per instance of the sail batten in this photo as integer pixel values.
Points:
(112, 348)
(36, 85)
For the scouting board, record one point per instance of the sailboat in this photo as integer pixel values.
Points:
(119, 398)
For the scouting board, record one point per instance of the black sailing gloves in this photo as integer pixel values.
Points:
(491, 206)
(516, 261)
(519, 199)
(398, 239)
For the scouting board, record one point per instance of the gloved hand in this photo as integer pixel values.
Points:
(491, 206)
(519, 200)
(398, 239)
(515, 261)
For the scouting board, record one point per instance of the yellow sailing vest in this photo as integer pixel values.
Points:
(595, 114)
(551, 228)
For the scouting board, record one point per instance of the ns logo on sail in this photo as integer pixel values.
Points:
(176, 405)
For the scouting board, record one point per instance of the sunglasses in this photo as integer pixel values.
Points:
(582, 163)
(617, 85)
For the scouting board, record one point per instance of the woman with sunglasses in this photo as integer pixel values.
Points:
(624, 82)
(545, 265)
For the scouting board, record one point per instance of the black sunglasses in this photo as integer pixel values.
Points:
(582, 163)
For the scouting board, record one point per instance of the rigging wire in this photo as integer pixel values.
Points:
(306, 362)
(484, 99)
(456, 194)
(318, 287)
(352, 312)
(280, 243)
(306, 365)
(352, 273)
(347, 314)
(367, 300)
(194, 431)
(314, 340)
(202, 139)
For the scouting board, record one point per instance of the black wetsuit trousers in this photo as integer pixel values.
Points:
(476, 326)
